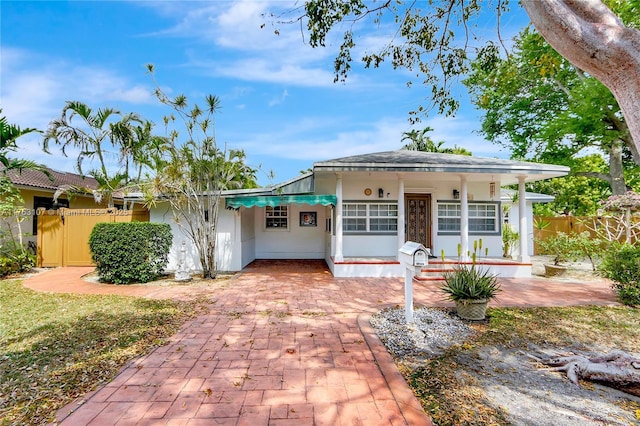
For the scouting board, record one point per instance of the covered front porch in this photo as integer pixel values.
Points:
(455, 211)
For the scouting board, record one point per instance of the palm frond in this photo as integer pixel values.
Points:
(71, 190)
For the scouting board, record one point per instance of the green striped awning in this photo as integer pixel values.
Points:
(279, 200)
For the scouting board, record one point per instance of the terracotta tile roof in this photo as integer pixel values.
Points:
(35, 179)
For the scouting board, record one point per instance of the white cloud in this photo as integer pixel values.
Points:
(134, 95)
(35, 87)
(240, 92)
(269, 71)
(250, 50)
(317, 139)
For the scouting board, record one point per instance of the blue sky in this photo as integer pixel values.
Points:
(279, 102)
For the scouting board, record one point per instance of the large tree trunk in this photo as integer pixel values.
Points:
(616, 168)
(594, 39)
(615, 177)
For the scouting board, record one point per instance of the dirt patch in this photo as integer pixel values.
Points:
(476, 383)
(492, 380)
(529, 395)
(580, 270)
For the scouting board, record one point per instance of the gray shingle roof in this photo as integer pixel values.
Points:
(418, 161)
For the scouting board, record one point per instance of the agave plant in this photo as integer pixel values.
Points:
(467, 282)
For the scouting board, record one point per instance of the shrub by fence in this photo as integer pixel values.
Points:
(16, 262)
(610, 227)
(621, 264)
(125, 253)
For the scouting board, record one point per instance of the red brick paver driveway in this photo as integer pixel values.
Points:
(282, 344)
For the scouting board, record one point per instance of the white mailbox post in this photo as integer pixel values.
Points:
(413, 256)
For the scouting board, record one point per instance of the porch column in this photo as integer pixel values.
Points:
(338, 256)
(401, 224)
(523, 227)
(464, 219)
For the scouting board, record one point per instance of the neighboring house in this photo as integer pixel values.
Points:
(356, 212)
(37, 190)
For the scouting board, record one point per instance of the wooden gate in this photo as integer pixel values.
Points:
(63, 235)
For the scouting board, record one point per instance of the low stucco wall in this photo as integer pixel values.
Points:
(228, 255)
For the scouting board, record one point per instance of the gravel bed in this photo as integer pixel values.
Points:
(432, 331)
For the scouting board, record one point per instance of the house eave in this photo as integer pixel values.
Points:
(440, 168)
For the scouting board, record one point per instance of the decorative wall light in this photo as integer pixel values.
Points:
(380, 193)
(456, 194)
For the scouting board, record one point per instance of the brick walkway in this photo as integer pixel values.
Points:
(284, 343)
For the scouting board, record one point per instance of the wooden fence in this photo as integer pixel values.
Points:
(63, 235)
(594, 225)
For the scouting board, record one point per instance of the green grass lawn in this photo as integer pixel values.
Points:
(56, 347)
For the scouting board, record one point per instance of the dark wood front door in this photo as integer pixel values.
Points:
(418, 219)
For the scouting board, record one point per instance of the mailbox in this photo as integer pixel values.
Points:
(413, 254)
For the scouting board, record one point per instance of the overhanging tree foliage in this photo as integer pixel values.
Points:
(192, 171)
(435, 40)
(577, 195)
(544, 109)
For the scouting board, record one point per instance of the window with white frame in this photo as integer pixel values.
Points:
(483, 218)
(276, 217)
(370, 217)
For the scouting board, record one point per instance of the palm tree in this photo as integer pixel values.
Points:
(421, 141)
(10, 196)
(128, 139)
(93, 134)
(8, 135)
(149, 150)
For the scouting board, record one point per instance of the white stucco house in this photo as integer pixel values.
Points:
(356, 212)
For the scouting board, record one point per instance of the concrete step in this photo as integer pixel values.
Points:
(435, 270)
(429, 278)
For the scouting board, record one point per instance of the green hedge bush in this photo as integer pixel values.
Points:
(126, 253)
(621, 264)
